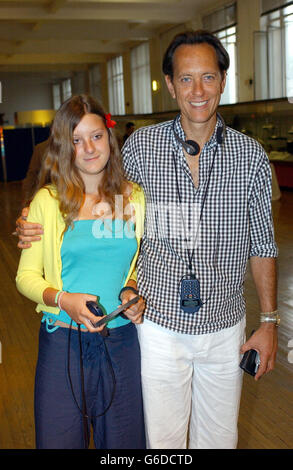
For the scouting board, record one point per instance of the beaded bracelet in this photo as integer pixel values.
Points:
(59, 299)
(56, 297)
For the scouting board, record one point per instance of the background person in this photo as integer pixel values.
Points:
(129, 129)
(30, 181)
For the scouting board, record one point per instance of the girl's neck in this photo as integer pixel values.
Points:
(91, 184)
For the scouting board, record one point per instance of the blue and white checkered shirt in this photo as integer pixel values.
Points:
(236, 223)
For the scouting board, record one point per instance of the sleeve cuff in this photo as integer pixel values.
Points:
(264, 251)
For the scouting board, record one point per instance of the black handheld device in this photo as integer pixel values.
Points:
(96, 310)
(250, 361)
(190, 301)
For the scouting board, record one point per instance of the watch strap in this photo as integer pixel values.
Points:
(135, 291)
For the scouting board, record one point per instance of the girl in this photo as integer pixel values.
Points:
(85, 375)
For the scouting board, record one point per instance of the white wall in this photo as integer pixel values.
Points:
(23, 92)
(78, 83)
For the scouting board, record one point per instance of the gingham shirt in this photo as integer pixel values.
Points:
(236, 223)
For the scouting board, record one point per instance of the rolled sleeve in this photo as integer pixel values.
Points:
(262, 241)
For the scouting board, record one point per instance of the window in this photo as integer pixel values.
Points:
(116, 86)
(228, 39)
(141, 79)
(66, 89)
(274, 55)
(222, 23)
(56, 96)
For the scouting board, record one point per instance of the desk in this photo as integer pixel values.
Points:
(283, 165)
(284, 172)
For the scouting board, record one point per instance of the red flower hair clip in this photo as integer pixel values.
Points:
(109, 122)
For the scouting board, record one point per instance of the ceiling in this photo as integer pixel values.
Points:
(54, 35)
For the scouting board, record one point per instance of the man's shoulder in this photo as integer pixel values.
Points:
(246, 144)
(242, 138)
(151, 131)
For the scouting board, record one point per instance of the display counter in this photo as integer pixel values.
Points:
(283, 164)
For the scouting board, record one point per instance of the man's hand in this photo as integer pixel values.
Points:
(27, 232)
(135, 311)
(265, 342)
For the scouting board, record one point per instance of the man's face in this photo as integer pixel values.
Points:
(197, 83)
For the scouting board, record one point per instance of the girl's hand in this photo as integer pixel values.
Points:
(75, 306)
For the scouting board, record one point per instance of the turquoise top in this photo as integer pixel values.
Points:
(96, 257)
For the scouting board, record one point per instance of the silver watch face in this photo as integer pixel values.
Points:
(267, 319)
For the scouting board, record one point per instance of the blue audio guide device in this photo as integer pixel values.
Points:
(190, 301)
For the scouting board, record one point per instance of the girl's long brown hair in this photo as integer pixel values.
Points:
(59, 165)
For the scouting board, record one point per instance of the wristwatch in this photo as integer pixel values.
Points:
(270, 317)
(127, 288)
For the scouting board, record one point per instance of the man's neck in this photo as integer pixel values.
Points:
(200, 132)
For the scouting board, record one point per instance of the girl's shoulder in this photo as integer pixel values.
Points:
(136, 193)
(46, 192)
(45, 196)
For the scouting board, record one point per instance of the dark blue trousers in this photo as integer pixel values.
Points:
(58, 394)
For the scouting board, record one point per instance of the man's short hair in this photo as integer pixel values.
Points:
(129, 124)
(191, 38)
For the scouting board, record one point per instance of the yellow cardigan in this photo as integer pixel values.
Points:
(40, 265)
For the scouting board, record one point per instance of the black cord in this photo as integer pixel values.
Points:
(190, 255)
(83, 409)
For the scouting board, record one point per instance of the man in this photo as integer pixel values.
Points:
(207, 214)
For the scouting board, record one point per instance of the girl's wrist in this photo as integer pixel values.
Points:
(59, 299)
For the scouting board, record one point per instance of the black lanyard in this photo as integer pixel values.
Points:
(189, 252)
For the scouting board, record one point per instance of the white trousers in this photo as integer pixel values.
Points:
(191, 387)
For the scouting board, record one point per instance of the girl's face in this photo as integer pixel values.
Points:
(92, 148)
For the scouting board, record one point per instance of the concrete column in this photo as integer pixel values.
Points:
(156, 73)
(248, 21)
(127, 83)
(104, 86)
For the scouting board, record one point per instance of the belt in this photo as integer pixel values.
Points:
(66, 325)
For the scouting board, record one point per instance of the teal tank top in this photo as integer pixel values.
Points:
(96, 257)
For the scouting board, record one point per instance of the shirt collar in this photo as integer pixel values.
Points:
(177, 127)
